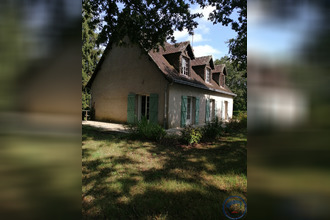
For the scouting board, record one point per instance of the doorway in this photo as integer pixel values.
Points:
(212, 110)
(143, 106)
(226, 110)
(189, 119)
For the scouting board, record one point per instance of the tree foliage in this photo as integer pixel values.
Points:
(148, 23)
(237, 82)
(222, 14)
(90, 53)
(151, 22)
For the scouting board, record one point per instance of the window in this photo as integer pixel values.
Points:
(185, 66)
(212, 108)
(226, 110)
(208, 75)
(190, 111)
(143, 107)
(222, 80)
(189, 108)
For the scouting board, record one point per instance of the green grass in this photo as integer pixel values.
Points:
(131, 179)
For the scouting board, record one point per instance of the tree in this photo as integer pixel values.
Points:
(237, 82)
(151, 22)
(221, 14)
(90, 53)
(148, 23)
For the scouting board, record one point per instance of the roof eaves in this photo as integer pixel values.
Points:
(202, 87)
(98, 66)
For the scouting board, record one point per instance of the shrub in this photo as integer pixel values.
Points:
(212, 130)
(146, 130)
(191, 135)
(237, 123)
(170, 140)
(243, 119)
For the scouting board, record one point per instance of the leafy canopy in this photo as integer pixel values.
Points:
(149, 22)
(237, 82)
(90, 53)
(222, 13)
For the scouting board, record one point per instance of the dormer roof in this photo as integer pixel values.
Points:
(220, 68)
(178, 48)
(200, 61)
(194, 80)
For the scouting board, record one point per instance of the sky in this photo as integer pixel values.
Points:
(208, 39)
(270, 37)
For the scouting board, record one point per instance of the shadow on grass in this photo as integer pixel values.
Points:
(187, 185)
(89, 132)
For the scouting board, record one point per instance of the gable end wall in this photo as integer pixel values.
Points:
(125, 70)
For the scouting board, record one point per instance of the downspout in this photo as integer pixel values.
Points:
(165, 106)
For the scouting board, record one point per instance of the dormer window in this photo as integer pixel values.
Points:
(208, 75)
(222, 80)
(185, 66)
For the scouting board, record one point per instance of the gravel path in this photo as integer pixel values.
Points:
(106, 126)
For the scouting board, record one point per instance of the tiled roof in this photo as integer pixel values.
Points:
(172, 74)
(174, 48)
(198, 61)
(218, 68)
(169, 71)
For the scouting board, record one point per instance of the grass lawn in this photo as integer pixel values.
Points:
(131, 179)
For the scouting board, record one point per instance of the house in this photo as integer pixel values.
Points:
(275, 101)
(170, 87)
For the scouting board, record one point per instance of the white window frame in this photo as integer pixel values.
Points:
(185, 68)
(222, 82)
(208, 75)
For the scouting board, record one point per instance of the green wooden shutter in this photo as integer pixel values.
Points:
(130, 108)
(183, 110)
(207, 110)
(153, 108)
(197, 111)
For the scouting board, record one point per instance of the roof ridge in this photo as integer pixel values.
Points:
(203, 57)
(182, 42)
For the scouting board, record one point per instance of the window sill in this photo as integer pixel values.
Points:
(184, 75)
